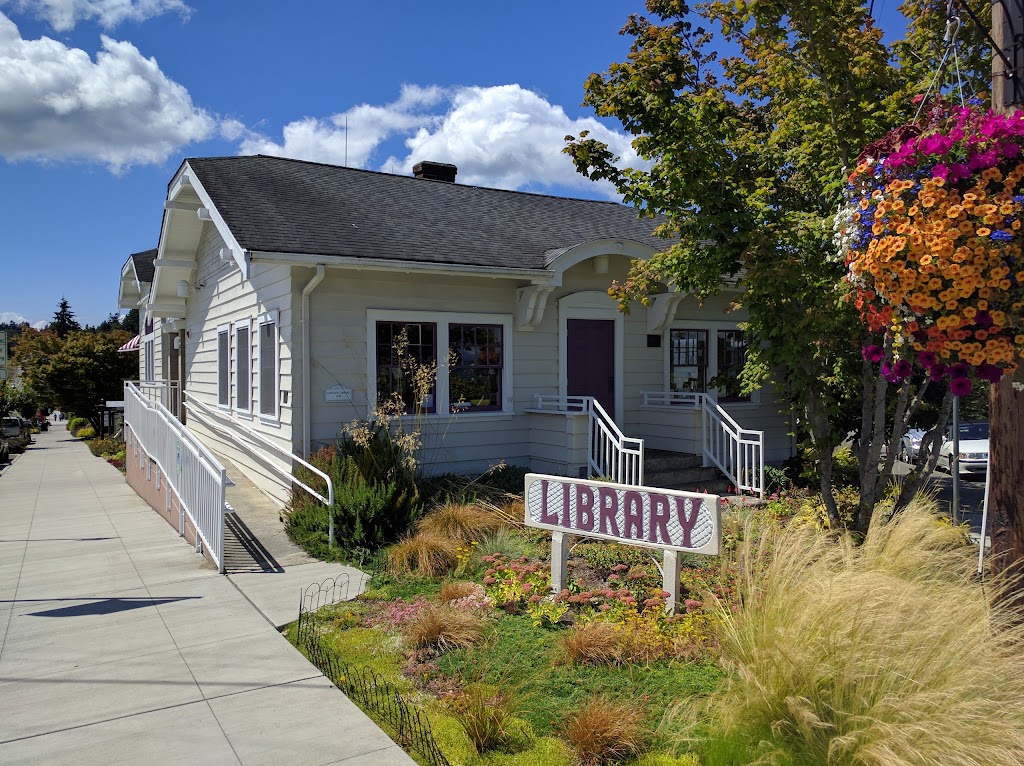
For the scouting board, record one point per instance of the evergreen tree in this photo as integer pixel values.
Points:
(64, 320)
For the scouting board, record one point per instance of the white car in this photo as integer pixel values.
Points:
(910, 445)
(973, 449)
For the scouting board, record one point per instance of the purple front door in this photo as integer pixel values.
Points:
(590, 361)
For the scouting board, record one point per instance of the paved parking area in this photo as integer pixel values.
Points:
(118, 644)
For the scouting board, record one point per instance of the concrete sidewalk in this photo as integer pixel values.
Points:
(118, 644)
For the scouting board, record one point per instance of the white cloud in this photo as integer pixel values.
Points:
(366, 127)
(6, 317)
(503, 136)
(63, 15)
(56, 103)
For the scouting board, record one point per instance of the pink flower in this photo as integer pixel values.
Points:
(873, 354)
(902, 369)
(959, 370)
(927, 359)
(937, 372)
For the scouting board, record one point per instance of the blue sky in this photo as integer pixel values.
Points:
(100, 100)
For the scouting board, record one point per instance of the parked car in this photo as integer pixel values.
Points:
(910, 445)
(11, 427)
(973, 449)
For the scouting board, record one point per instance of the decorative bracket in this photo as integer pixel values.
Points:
(662, 310)
(530, 304)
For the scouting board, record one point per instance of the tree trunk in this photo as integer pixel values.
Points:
(1006, 471)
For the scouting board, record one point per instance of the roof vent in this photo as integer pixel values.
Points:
(435, 171)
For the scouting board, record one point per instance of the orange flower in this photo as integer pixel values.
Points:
(983, 232)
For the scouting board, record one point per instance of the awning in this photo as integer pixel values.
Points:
(132, 345)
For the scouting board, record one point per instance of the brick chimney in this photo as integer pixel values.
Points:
(435, 171)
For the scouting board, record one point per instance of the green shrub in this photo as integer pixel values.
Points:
(605, 556)
(845, 469)
(85, 432)
(76, 423)
(375, 501)
(111, 445)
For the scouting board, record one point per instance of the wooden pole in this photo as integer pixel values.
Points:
(1006, 399)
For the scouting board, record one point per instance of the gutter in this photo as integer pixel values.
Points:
(307, 408)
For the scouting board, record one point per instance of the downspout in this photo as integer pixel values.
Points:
(307, 417)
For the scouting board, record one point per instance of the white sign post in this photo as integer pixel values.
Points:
(669, 520)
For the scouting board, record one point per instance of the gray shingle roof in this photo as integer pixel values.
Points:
(290, 206)
(144, 264)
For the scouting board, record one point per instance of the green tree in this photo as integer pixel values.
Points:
(64, 320)
(80, 372)
(745, 160)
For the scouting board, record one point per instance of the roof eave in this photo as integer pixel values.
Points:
(359, 263)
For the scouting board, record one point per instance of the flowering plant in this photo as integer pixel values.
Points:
(931, 235)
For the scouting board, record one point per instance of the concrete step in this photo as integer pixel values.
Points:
(657, 460)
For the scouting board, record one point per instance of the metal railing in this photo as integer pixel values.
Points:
(737, 452)
(207, 415)
(609, 452)
(185, 463)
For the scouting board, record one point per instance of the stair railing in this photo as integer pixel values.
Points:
(610, 453)
(737, 452)
(210, 416)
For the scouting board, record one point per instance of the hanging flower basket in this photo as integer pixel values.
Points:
(932, 235)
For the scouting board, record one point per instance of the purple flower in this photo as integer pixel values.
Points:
(940, 171)
(983, 319)
(1011, 150)
(959, 370)
(990, 372)
(873, 354)
(928, 359)
(960, 386)
(902, 369)
(937, 372)
(959, 171)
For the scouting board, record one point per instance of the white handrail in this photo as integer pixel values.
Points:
(187, 466)
(609, 452)
(193, 402)
(737, 452)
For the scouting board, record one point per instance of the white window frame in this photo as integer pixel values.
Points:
(265, 319)
(712, 329)
(442, 319)
(242, 353)
(224, 329)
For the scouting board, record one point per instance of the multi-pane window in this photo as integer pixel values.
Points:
(268, 368)
(223, 367)
(732, 353)
(475, 372)
(406, 362)
(243, 376)
(688, 360)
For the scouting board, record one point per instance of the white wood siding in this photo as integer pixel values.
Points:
(472, 442)
(223, 297)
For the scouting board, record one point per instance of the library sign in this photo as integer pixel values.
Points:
(670, 520)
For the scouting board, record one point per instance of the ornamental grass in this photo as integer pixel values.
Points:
(443, 627)
(888, 653)
(604, 731)
(424, 553)
(460, 521)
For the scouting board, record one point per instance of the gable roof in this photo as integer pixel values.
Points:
(143, 263)
(278, 205)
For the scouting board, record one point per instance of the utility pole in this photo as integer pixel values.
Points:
(1006, 398)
